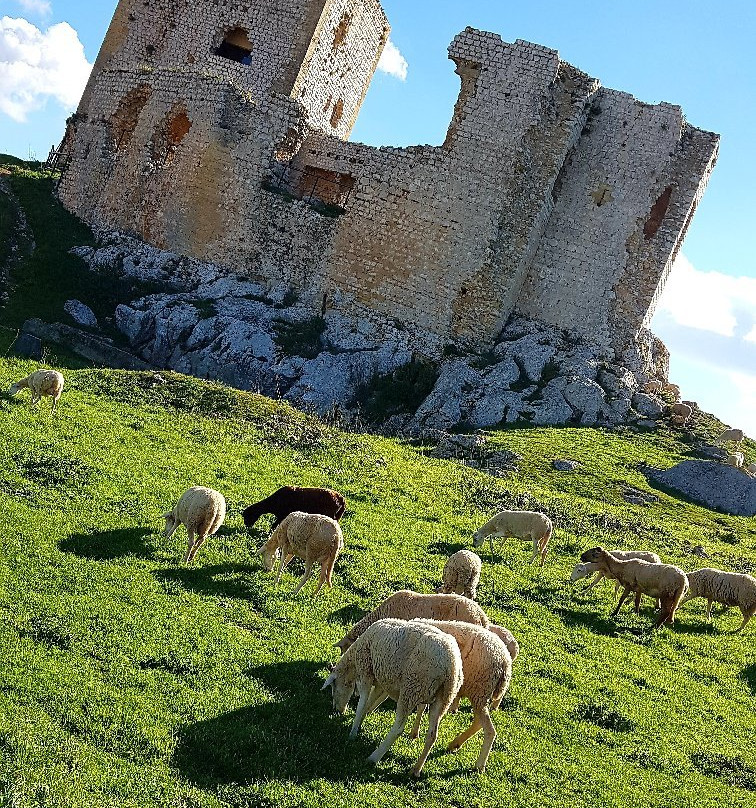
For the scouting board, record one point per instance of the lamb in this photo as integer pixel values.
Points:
(521, 525)
(41, 383)
(736, 460)
(663, 581)
(289, 499)
(408, 605)
(202, 511)
(728, 588)
(585, 570)
(411, 662)
(461, 574)
(311, 537)
(730, 435)
(680, 413)
(487, 672)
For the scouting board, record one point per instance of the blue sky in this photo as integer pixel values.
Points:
(690, 52)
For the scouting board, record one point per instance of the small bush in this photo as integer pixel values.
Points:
(301, 338)
(730, 769)
(398, 393)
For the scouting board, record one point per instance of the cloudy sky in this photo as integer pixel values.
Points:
(689, 52)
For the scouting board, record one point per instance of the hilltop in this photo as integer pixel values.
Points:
(129, 680)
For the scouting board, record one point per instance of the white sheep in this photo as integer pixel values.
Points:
(730, 436)
(461, 574)
(672, 389)
(314, 538)
(664, 582)
(487, 672)
(728, 588)
(411, 662)
(736, 460)
(681, 413)
(407, 605)
(41, 383)
(582, 570)
(506, 636)
(202, 511)
(520, 525)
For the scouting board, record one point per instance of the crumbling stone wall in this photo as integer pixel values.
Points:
(218, 130)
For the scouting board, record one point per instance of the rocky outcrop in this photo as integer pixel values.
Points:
(255, 336)
(715, 485)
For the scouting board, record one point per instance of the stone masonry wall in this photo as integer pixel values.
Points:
(549, 196)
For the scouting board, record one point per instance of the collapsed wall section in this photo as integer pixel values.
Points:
(622, 205)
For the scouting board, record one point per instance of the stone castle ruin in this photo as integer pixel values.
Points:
(218, 131)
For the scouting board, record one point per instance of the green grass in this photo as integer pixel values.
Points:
(127, 679)
(41, 282)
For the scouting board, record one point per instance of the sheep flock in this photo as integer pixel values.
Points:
(428, 651)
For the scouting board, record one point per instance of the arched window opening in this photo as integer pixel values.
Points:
(236, 46)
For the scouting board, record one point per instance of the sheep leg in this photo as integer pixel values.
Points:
(284, 560)
(200, 541)
(377, 698)
(747, 615)
(621, 601)
(544, 547)
(189, 546)
(465, 735)
(708, 611)
(455, 704)
(637, 602)
(435, 712)
(536, 551)
(597, 578)
(489, 737)
(306, 577)
(415, 731)
(361, 712)
(402, 712)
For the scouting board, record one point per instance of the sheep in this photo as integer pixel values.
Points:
(752, 469)
(680, 413)
(202, 511)
(736, 460)
(486, 670)
(506, 636)
(411, 662)
(663, 581)
(585, 570)
(653, 387)
(728, 588)
(41, 383)
(311, 537)
(290, 499)
(461, 574)
(672, 389)
(730, 435)
(408, 605)
(522, 525)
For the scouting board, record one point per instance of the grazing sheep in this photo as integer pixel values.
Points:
(486, 670)
(584, 570)
(653, 387)
(672, 389)
(680, 413)
(461, 574)
(662, 581)
(201, 511)
(411, 662)
(290, 499)
(736, 460)
(752, 469)
(41, 383)
(407, 605)
(506, 636)
(728, 588)
(521, 525)
(730, 436)
(311, 537)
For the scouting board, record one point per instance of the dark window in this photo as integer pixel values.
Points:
(236, 46)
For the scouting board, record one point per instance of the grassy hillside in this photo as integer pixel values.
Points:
(129, 680)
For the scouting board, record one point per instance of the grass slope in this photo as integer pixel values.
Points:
(129, 680)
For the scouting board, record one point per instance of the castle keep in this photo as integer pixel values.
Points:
(219, 130)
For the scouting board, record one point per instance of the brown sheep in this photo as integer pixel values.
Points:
(289, 499)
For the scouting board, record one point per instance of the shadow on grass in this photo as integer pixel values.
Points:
(347, 615)
(220, 580)
(597, 623)
(283, 739)
(748, 675)
(108, 545)
(447, 548)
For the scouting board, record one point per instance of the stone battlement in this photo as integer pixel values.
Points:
(218, 130)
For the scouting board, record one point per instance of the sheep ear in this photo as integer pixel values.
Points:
(329, 681)
(167, 516)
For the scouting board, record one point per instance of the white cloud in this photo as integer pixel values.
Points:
(37, 65)
(41, 8)
(393, 63)
(710, 301)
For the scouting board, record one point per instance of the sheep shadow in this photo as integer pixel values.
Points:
(447, 548)
(347, 615)
(596, 623)
(280, 739)
(107, 545)
(220, 580)
(748, 675)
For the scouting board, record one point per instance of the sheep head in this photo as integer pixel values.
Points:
(13, 389)
(170, 523)
(593, 556)
(478, 538)
(343, 645)
(269, 556)
(342, 683)
(580, 571)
